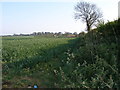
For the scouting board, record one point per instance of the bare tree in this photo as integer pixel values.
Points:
(88, 13)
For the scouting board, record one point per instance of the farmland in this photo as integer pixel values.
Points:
(17, 48)
(21, 54)
(89, 61)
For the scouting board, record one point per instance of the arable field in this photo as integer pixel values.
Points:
(18, 48)
(27, 59)
(59, 45)
(90, 61)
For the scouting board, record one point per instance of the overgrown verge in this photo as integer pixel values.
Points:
(92, 62)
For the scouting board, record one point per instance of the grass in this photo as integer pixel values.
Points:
(26, 60)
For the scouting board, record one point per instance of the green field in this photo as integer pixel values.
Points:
(18, 48)
(25, 57)
(90, 61)
(82, 62)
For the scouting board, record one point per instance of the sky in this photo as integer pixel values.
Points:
(48, 16)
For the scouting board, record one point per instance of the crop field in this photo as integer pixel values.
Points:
(90, 60)
(25, 57)
(18, 48)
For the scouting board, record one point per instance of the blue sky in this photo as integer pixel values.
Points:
(29, 17)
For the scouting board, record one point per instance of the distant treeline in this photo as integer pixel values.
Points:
(49, 34)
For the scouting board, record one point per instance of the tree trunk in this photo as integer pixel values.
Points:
(88, 27)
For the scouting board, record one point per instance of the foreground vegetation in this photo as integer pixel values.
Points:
(89, 61)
